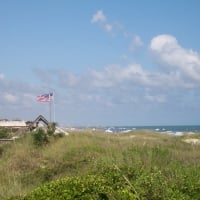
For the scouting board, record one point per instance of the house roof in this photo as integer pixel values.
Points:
(41, 118)
(22, 123)
(13, 123)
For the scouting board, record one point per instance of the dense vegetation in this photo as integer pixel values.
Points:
(4, 133)
(93, 165)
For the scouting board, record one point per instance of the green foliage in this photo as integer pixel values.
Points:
(80, 188)
(114, 184)
(51, 128)
(40, 138)
(98, 166)
(58, 135)
(4, 133)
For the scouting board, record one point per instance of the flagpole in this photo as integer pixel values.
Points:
(50, 107)
(48, 98)
(54, 107)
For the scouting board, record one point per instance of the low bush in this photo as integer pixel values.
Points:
(4, 133)
(113, 183)
(51, 128)
(40, 137)
(81, 188)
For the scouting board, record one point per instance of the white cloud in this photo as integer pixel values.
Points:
(131, 87)
(117, 84)
(100, 19)
(163, 43)
(170, 54)
(115, 75)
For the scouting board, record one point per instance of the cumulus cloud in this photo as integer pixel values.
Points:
(134, 74)
(170, 54)
(100, 19)
(113, 75)
(133, 83)
(114, 86)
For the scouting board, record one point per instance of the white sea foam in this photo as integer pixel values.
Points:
(168, 132)
(108, 130)
(178, 133)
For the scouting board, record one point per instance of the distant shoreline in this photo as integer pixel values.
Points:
(173, 130)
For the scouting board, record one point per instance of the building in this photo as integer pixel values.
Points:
(12, 123)
(23, 124)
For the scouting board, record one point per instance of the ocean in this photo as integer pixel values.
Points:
(175, 130)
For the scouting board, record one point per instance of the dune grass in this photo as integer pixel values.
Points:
(150, 162)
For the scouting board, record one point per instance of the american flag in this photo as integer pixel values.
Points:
(45, 97)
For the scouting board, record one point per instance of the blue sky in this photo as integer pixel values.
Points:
(131, 62)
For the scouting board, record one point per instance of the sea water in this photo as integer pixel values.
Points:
(175, 130)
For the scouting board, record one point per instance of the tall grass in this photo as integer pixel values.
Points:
(140, 156)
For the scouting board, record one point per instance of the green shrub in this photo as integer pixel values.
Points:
(80, 188)
(58, 135)
(113, 184)
(51, 128)
(4, 133)
(40, 137)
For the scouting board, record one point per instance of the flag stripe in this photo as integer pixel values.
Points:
(45, 97)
